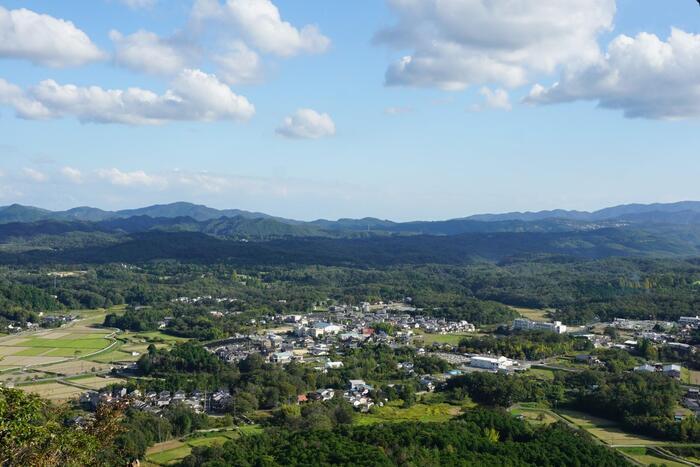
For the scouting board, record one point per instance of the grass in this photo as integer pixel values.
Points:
(394, 413)
(606, 430)
(32, 352)
(171, 455)
(88, 343)
(451, 339)
(174, 450)
(690, 376)
(52, 391)
(536, 416)
(533, 314)
(542, 373)
(648, 457)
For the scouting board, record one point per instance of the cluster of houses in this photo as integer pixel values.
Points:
(203, 299)
(45, 321)
(670, 370)
(155, 402)
(358, 395)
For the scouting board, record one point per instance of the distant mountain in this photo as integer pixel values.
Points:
(19, 213)
(236, 223)
(622, 212)
(195, 211)
(676, 241)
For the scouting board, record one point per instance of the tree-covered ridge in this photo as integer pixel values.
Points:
(35, 432)
(480, 437)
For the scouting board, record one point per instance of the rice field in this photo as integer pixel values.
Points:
(57, 392)
(96, 382)
(75, 367)
(48, 347)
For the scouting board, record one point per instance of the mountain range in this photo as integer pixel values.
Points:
(184, 231)
(684, 212)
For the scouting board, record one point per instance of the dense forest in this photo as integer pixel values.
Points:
(478, 437)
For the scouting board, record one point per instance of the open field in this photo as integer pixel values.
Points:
(532, 313)
(690, 376)
(96, 382)
(394, 413)
(451, 338)
(648, 457)
(53, 391)
(171, 451)
(52, 346)
(606, 430)
(535, 415)
(75, 367)
(541, 373)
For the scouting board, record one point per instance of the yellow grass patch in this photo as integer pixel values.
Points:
(53, 391)
(95, 382)
(16, 360)
(11, 350)
(75, 367)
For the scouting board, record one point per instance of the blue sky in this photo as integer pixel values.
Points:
(421, 143)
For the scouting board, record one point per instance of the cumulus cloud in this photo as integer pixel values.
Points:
(146, 51)
(35, 175)
(44, 40)
(135, 178)
(238, 64)
(643, 76)
(495, 99)
(307, 124)
(458, 43)
(260, 24)
(72, 174)
(193, 95)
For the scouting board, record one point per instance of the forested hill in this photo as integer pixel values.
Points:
(372, 251)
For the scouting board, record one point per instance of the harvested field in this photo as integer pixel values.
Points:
(53, 391)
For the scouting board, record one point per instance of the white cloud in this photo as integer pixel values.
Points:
(44, 40)
(146, 51)
(458, 43)
(72, 174)
(495, 99)
(35, 175)
(643, 76)
(135, 178)
(139, 4)
(259, 23)
(238, 65)
(194, 95)
(307, 124)
(397, 110)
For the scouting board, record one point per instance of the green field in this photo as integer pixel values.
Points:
(648, 457)
(175, 450)
(394, 413)
(86, 343)
(32, 352)
(606, 430)
(451, 339)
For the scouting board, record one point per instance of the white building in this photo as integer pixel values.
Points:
(491, 363)
(690, 320)
(528, 325)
